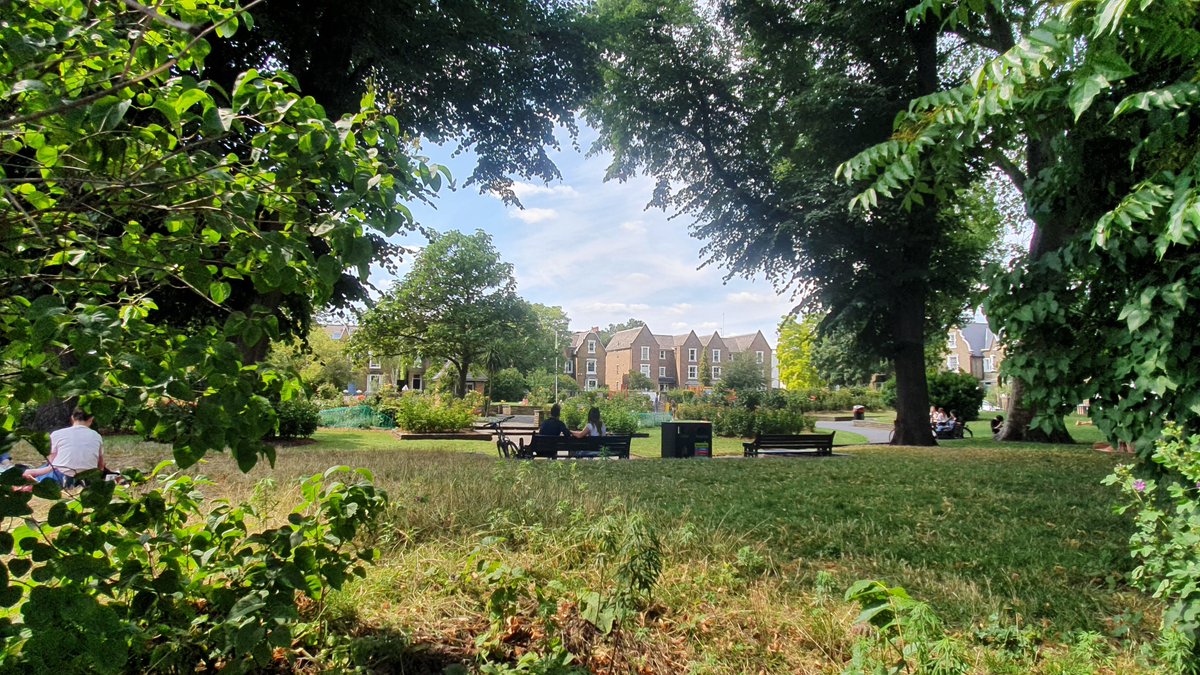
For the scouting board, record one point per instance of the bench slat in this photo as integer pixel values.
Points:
(789, 444)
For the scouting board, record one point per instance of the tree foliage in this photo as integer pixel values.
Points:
(142, 257)
(494, 77)
(1106, 311)
(797, 340)
(458, 300)
(318, 360)
(744, 373)
(742, 113)
(614, 328)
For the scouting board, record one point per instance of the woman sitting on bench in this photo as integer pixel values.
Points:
(594, 426)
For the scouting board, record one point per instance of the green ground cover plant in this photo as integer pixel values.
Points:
(1015, 550)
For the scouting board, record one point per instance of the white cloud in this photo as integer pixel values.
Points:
(615, 307)
(525, 190)
(634, 226)
(679, 309)
(533, 215)
(746, 297)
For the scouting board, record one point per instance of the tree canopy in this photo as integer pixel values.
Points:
(458, 301)
(742, 112)
(142, 257)
(1102, 100)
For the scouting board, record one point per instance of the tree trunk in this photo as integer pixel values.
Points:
(1016, 424)
(1050, 230)
(462, 378)
(912, 387)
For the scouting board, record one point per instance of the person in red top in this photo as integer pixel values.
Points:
(73, 450)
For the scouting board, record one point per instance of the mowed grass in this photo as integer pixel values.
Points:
(756, 552)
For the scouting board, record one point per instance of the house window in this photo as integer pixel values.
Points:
(716, 356)
(591, 384)
(591, 346)
(662, 371)
(374, 383)
(662, 355)
(952, 363)
(569, 368)
(646, 369)
(693, 372)
(989, 364)
(645, 353)
(758, 357)
(692, 355)
(716, 372)
(591, 366)
(373, 362)
(417, 383)
(952, 341)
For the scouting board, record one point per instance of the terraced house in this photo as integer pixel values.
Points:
(669, 361)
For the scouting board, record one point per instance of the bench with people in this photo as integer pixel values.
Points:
(554, 440)
(947, 425)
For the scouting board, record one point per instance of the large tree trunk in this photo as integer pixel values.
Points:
(461, 387)
(1016, 425)
(912, 388)
(908, 308)
(1050, 231)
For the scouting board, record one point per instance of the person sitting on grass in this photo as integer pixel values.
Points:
(594, 426)
(554, 426)
(73, 450)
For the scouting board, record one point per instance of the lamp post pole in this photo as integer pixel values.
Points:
(556, 365)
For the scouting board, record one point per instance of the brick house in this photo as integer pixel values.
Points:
(586, 359)
(632, 350)
(974, 349)
(669, 361)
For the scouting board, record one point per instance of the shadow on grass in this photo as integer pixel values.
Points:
(384, 650)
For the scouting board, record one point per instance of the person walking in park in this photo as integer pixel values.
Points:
(73, 450)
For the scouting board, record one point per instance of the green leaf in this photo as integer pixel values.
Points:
(219, 291)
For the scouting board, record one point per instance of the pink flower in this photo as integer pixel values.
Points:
(1139, 485)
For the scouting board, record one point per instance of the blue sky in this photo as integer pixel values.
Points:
(592, 248)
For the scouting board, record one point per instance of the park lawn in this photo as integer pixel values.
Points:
(756, 553)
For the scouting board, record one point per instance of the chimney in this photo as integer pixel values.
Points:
(595, 329)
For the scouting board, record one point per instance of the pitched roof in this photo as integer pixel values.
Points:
(623, 339)
(577, 339)
(740, 343)
(680, 339)
(978, 336)
(666, 341)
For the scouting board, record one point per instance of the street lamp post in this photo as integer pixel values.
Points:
(556, 365)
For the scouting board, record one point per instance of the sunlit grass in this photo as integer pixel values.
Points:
(1021, 534)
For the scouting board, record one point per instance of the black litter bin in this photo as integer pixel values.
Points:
(860, 412)
(687, 439)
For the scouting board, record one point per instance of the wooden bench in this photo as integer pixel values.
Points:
(569, 447)
(789, 444)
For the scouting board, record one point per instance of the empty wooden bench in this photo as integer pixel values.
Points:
(569, 447)
(789, 444)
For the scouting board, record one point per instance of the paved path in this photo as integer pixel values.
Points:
(872, 434)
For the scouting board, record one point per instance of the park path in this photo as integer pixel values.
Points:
(873, 434)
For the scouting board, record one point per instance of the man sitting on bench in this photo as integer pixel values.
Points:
(554, 426)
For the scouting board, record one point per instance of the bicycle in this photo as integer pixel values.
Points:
(504, 447)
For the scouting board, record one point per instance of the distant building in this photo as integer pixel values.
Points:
(669, 361)
(974, 349)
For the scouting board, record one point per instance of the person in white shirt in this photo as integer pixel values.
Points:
(73, 450)
(594, 426)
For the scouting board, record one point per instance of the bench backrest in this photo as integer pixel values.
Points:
(793, 440)
(550, 446)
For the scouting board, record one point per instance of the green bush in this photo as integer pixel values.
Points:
(958, 392)
(508, 385)
(618, 411)
(1166, 541)
(296, 418)
(734, 419)
(113, 581)
(421, 412)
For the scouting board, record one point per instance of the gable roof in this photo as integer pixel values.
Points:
(624, 339)
(665, 341)
(577, 339)
(740, 343)
(978, 336)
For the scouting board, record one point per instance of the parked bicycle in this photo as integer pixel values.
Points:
(505, 447)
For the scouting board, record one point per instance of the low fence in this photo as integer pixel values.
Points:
(653, 419)
(355, 417)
